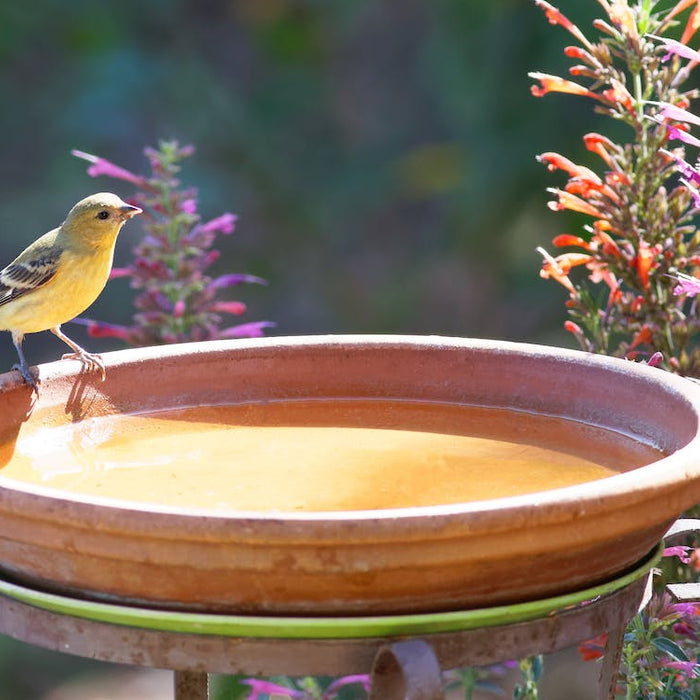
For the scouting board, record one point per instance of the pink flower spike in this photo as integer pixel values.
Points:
(681, 551)
(100, 166)
(179, 308)
(224, 223)
(675, 48)
(686, 285)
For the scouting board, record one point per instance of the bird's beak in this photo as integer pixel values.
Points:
(128, 211)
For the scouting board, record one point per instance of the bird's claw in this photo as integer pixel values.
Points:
(27, 376)
(91, 361)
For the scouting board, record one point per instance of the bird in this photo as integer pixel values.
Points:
(59, 275)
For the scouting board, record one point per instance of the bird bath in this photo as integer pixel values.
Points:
(140, 490)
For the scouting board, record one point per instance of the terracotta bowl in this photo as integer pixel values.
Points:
(401, 560)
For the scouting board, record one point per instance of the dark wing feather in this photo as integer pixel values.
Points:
(18, 278)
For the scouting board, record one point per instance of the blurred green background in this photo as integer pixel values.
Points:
(380, 155)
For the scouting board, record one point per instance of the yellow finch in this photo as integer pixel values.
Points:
(59, 275)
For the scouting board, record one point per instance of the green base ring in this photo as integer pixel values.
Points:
(263, 627)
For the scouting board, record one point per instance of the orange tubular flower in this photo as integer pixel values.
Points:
(573, 328)
(622, 17)
(618, 94)
(644, 261)
(693, 21)
(605, 241)
(643, 336)
(553, 83)
(600, 145)
(565, 239)
(558, 268)
(555, 160)
(556, 17)
(585, 188)
(601, 273)
(693, 24)
(566, 200)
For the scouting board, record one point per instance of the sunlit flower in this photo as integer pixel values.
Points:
(566, 200)
(558, 268)
(552, 83)
(601, 146)
(556, 17)
(100, 166)
(676, 48)
(687, 285)
(566, 239)
(645, 260)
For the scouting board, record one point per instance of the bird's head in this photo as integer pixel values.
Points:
(99, 216)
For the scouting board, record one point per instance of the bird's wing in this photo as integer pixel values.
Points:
(27, 273)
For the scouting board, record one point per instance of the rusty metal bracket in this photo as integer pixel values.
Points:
(406, 671)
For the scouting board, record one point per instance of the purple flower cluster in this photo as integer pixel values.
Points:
(178, 300)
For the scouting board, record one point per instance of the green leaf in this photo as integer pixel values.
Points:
(668, 646)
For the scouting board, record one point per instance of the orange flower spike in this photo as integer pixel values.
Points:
(553, 83)
(565, 239)
(556, 17)
(566, 200)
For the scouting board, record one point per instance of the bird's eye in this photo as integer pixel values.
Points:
(104, 214)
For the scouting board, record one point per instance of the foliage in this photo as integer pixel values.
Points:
(641, 235)
(638, 298)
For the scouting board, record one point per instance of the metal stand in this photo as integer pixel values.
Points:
(403, 667)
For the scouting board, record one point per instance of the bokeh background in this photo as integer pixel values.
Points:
(379, 153)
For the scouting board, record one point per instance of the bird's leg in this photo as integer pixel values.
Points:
(90, 360)
(17, 339)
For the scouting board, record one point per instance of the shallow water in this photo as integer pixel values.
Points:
(320, 455)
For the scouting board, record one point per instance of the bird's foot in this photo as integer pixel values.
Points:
(27, 376)
(91, 361)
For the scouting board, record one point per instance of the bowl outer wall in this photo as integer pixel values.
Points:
(403, 560)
